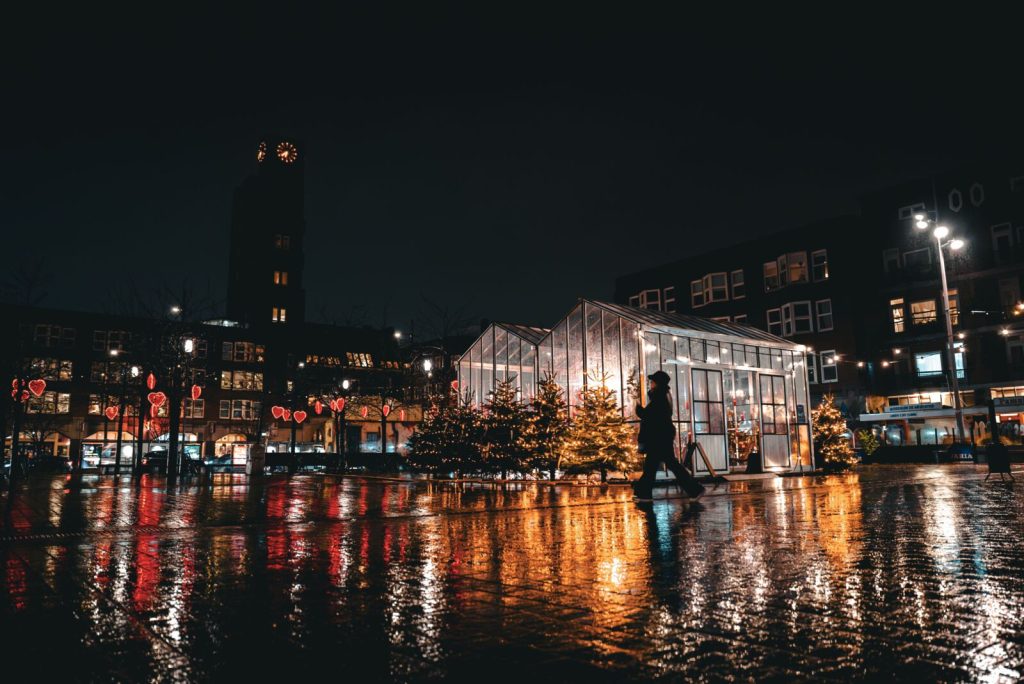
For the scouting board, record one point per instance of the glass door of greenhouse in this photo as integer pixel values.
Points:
(774, 421)
(741, 416)
(709, 419)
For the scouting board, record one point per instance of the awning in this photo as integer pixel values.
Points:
(911, 412)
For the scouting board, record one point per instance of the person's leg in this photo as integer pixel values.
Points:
(642, 487)
(689, 484)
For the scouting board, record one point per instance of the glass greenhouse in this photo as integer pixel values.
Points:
(736, 389)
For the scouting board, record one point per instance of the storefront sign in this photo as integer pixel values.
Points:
(1008, 401)
(915, 407)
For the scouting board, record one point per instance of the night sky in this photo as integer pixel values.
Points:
(504, 163)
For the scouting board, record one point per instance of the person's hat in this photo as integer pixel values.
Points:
(659, 377)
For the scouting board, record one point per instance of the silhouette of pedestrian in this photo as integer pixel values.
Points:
(657, 439)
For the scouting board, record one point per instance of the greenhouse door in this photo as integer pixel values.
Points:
(774, 422)
(709, 420)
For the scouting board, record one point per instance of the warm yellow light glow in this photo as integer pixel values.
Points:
(897, 351)
(885, 364)
(860, 364)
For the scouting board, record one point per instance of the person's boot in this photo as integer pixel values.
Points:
(642, 492)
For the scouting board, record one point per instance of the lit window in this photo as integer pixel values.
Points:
(958, 355)
(716, 288)
(829, 369)
(696, 294)
(928, 364)
(794, 265)
(819, 265)
(923, 312)
(918, 258)
(954, 306)
(278, 314)
(771, 276)
(891, 259)
(774, 321)
(739, 290)
(280, 277)
(823, 314)
(898, 314)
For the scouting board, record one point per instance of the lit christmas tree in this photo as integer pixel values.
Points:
(449, 437)
(427, 443)
(547, 427)
(830, 439)
(505, 423)
(600, 439)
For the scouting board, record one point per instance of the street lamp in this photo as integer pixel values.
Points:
(428, 365)
(345, 384)
(940, 233)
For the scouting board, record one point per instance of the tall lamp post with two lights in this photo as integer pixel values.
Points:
(940, 233)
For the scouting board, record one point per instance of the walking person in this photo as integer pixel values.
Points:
(657, 438)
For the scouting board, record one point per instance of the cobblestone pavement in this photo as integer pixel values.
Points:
(908, 572)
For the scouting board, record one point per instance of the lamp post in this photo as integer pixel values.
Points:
(940, 233)
(122, 408)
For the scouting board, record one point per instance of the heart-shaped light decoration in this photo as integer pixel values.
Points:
(153, 411)
(277, 411)
(197, 392)
(299, 416)
(37, 387)
(318, 407)
(363, 411)
(341, 404)
(287, 415)
(455, 385)
(157, 399)
(150, 381)
(385, 409)
(401, 415)
(333, 404)
(110, 412)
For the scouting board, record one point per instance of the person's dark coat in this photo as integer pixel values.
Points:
(656, 426)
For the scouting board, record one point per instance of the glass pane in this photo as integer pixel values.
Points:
(514, 359)
(487, 365)
(611, 359)
(630, 363)
(594, 367)
(717, 421)
(764, 358)
(500, 354)
(477, 372)
(575, 355)
(777, 359)
(700, 411)
(528, 384)
(714, 386)
(697, 350)
(682, 384)
(766, 389)
(778, 389)
(652, 356)
(700, 385)
(712, 352)
(560, 357)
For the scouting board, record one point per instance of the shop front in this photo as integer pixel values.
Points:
(930, 424)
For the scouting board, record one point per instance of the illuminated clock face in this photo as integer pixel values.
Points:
(261, 152)
(287, 152)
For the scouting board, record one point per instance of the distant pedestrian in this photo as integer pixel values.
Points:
(657, 439)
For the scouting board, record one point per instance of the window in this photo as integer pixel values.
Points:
(897, 313)
(774, 321)
(359, 359)
(823, 314)
(708, 416)
(634, 300)
(773, 405)
(51, 369)
(193, 408)
(795, 266)
(721, 319)
(696, 294)
(280, 277)
(819, 265)
(739, 290)
(958, 357)
(928, 364)
(98, 402)
(669, 299)
(812, 368)
(282, 241)
(956, 200)
(246, 352)
(771, 276)
(278, 315)
(49, 402)
(1009, 292)
(54, 336)
(977, 194)
(650, 299)
(908, 211)
(1002, 241)
(891, 259)
(107, 340)
(829, 367)
(716, 288)
(239, 409)
(740, 318)
(241, 380)
(918, 258)
(923, 312)
(796, 318)
(954, 306)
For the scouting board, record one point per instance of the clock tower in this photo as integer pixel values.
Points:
(268, 228)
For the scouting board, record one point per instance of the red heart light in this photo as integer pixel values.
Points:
(363, 411)
(333, 404)
(37, 387)
(385, 409)
(455, 385)
(341, 404)
(157, 399)
(299, 416)
(110, 412)
(153, 411)
(197, 392)
(287, 415)
(150, 381)
(277, 411)
(318, 407)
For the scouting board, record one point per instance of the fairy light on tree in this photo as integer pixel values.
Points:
(504, 428)
(547, 427)
(830, 439)
(600, 439)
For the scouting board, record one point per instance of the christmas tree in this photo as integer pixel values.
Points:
(600, 439)
(449, 437)
(504, 426)
(830, 439)
(426, 445)
(547, 427)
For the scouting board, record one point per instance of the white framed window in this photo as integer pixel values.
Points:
(823, 314)
(977, 194)
(696, 294)
(958, 358)
(908, 211)
(716, 288)
(634, 300)
(1002, 240)
(739, 290)
(819, 265)
(795, 265)
(650, 299)
(923, 312)
(928, 364)
(918, 258)
(956, 200)
(796, 318)
(771, 276)
(740, 318)
(669, 299)
(812, 369)
(829, 367)
(891, 259)
(897, 313)
(774, 320)
(721, 319)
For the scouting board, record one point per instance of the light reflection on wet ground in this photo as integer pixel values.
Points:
(908, 572)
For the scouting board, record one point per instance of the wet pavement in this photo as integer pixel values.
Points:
(908, 572)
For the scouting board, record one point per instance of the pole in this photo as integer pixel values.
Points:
(137, 453)
(950, 355)
(120, 424)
